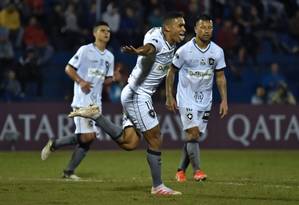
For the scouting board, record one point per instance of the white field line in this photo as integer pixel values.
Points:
(147, 180)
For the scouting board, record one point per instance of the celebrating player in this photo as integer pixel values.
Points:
(154, 58)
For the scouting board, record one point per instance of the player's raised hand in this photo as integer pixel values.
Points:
(85, 86)
(223, 109)
(130, 49)
(171, 104)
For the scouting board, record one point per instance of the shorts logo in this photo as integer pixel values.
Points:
(211, 61)
(90, 123)
(177, 56)
(152, 113)
(206, 115)
(76, 57)
(189, 116)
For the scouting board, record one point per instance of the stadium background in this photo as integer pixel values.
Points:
(260, 40)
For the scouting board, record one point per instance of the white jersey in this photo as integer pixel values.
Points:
(146, 80)
(93, 66)
(196, 73)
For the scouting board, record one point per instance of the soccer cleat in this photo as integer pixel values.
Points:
(93, 112)
(199, 176)
(180, 176)
(46, 151)
(71, 177)
(162, 190)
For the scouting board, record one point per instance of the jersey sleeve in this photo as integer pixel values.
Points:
(77, 59)
(178, 59)
(110, 67)
(220, 61)
(152, 38)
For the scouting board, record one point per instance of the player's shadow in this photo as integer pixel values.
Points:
(133, 188)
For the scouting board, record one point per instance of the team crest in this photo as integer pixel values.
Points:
(189, 116)
(152, 113)
(211, 61)
(203, 61)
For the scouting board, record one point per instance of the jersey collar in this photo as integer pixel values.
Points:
(200, 49)
(98, 50)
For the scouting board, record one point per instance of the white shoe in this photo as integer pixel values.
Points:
(71, 176)
(163, 190)
(93, 112)
(46, 151)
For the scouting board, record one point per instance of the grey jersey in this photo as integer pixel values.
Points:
(145, 79)
(196, 72)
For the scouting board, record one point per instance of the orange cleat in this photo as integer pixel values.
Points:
(199, 176)
(180, 176)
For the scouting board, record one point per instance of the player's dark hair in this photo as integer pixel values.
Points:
(100, 23)
(172, 15)
(204, 17)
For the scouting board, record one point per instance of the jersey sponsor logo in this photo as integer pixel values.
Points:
(211, 61)
(201, 74)
(95, 72)
(162, 68)
(152, 113)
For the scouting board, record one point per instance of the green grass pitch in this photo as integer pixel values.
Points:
(236, 177)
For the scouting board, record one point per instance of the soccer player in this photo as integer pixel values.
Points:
(196, 61)
(90, 68)
(154, 58)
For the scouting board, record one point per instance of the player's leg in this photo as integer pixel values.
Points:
(192, 121)
(84, 142)
(184, 163)
(127, 137)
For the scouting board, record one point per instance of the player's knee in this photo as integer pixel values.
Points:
(84, 144)
(131, 142)
(192, 134)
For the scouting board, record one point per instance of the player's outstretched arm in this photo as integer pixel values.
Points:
(145, 50)
(170, 100)
(222, 88)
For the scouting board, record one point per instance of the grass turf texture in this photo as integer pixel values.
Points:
(119, 177)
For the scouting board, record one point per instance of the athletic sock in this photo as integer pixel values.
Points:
(154, 161)
(113, 130)
(193, 153)
(184, 159)
(63, 141)
(77, 156)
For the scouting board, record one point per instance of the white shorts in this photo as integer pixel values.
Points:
(84, 125)
(139, 109)
(194, 118)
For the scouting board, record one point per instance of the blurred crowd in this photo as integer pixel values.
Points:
(32, 31)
